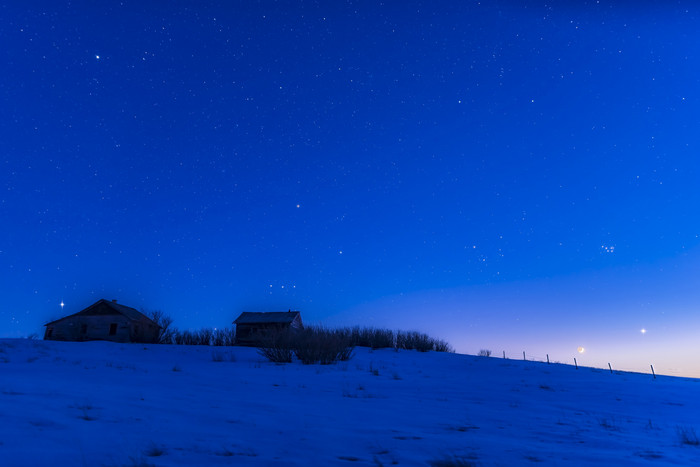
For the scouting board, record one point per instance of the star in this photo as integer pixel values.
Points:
(97, 57)
(643, 331)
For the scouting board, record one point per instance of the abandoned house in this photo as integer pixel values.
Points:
(104, 320)
(251, 327)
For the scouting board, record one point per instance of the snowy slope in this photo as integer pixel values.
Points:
(100, 403)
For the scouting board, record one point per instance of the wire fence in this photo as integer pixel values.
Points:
(545, 359)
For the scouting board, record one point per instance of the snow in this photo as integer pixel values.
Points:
(101, 403)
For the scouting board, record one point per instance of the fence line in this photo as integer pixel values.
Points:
(534, 358)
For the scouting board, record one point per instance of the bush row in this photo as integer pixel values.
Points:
(314, 344)
(206, 336)
(387, 339)
(310, 345)
(325, 346)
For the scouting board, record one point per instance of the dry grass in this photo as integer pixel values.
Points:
(154, 451)
(222, 356)
(687, 436)
(453, 461)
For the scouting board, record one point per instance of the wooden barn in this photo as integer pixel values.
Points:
(251, 327)
(104, 320)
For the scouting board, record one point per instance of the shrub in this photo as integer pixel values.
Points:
(346, 354)
(277, 347)
(376, 338)
(311, 345)
(443, 346)
(223, 337)
(484, 353)
(373, 338)
(186, 337)
(181, 337)
(204, 336)
(410, 340)
(324, 346)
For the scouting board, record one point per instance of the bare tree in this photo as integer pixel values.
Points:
(165, 333)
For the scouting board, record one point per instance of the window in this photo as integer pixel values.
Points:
(113, 329)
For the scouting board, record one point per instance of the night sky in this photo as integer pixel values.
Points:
(510, 175)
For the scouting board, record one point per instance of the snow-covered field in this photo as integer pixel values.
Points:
(100, 403)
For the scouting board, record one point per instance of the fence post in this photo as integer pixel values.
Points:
(652, 371)
(547, 359)
(575, 364)
(504, 355)
(610, 366)
(524, 355)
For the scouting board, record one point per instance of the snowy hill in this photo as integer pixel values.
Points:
(100, 403)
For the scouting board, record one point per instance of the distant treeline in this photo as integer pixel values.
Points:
(316, 344)
(206, 336)
(376, 338)
(313, 344)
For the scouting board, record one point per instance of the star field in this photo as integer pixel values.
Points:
(522, 173)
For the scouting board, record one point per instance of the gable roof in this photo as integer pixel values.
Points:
(131, 313)
(272, 317)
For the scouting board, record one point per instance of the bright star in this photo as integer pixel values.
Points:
(643, 331)
(97, 57)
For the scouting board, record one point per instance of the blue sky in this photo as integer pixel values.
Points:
(206, 158)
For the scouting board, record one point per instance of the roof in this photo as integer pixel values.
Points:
(131, 313)
(279, 317)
